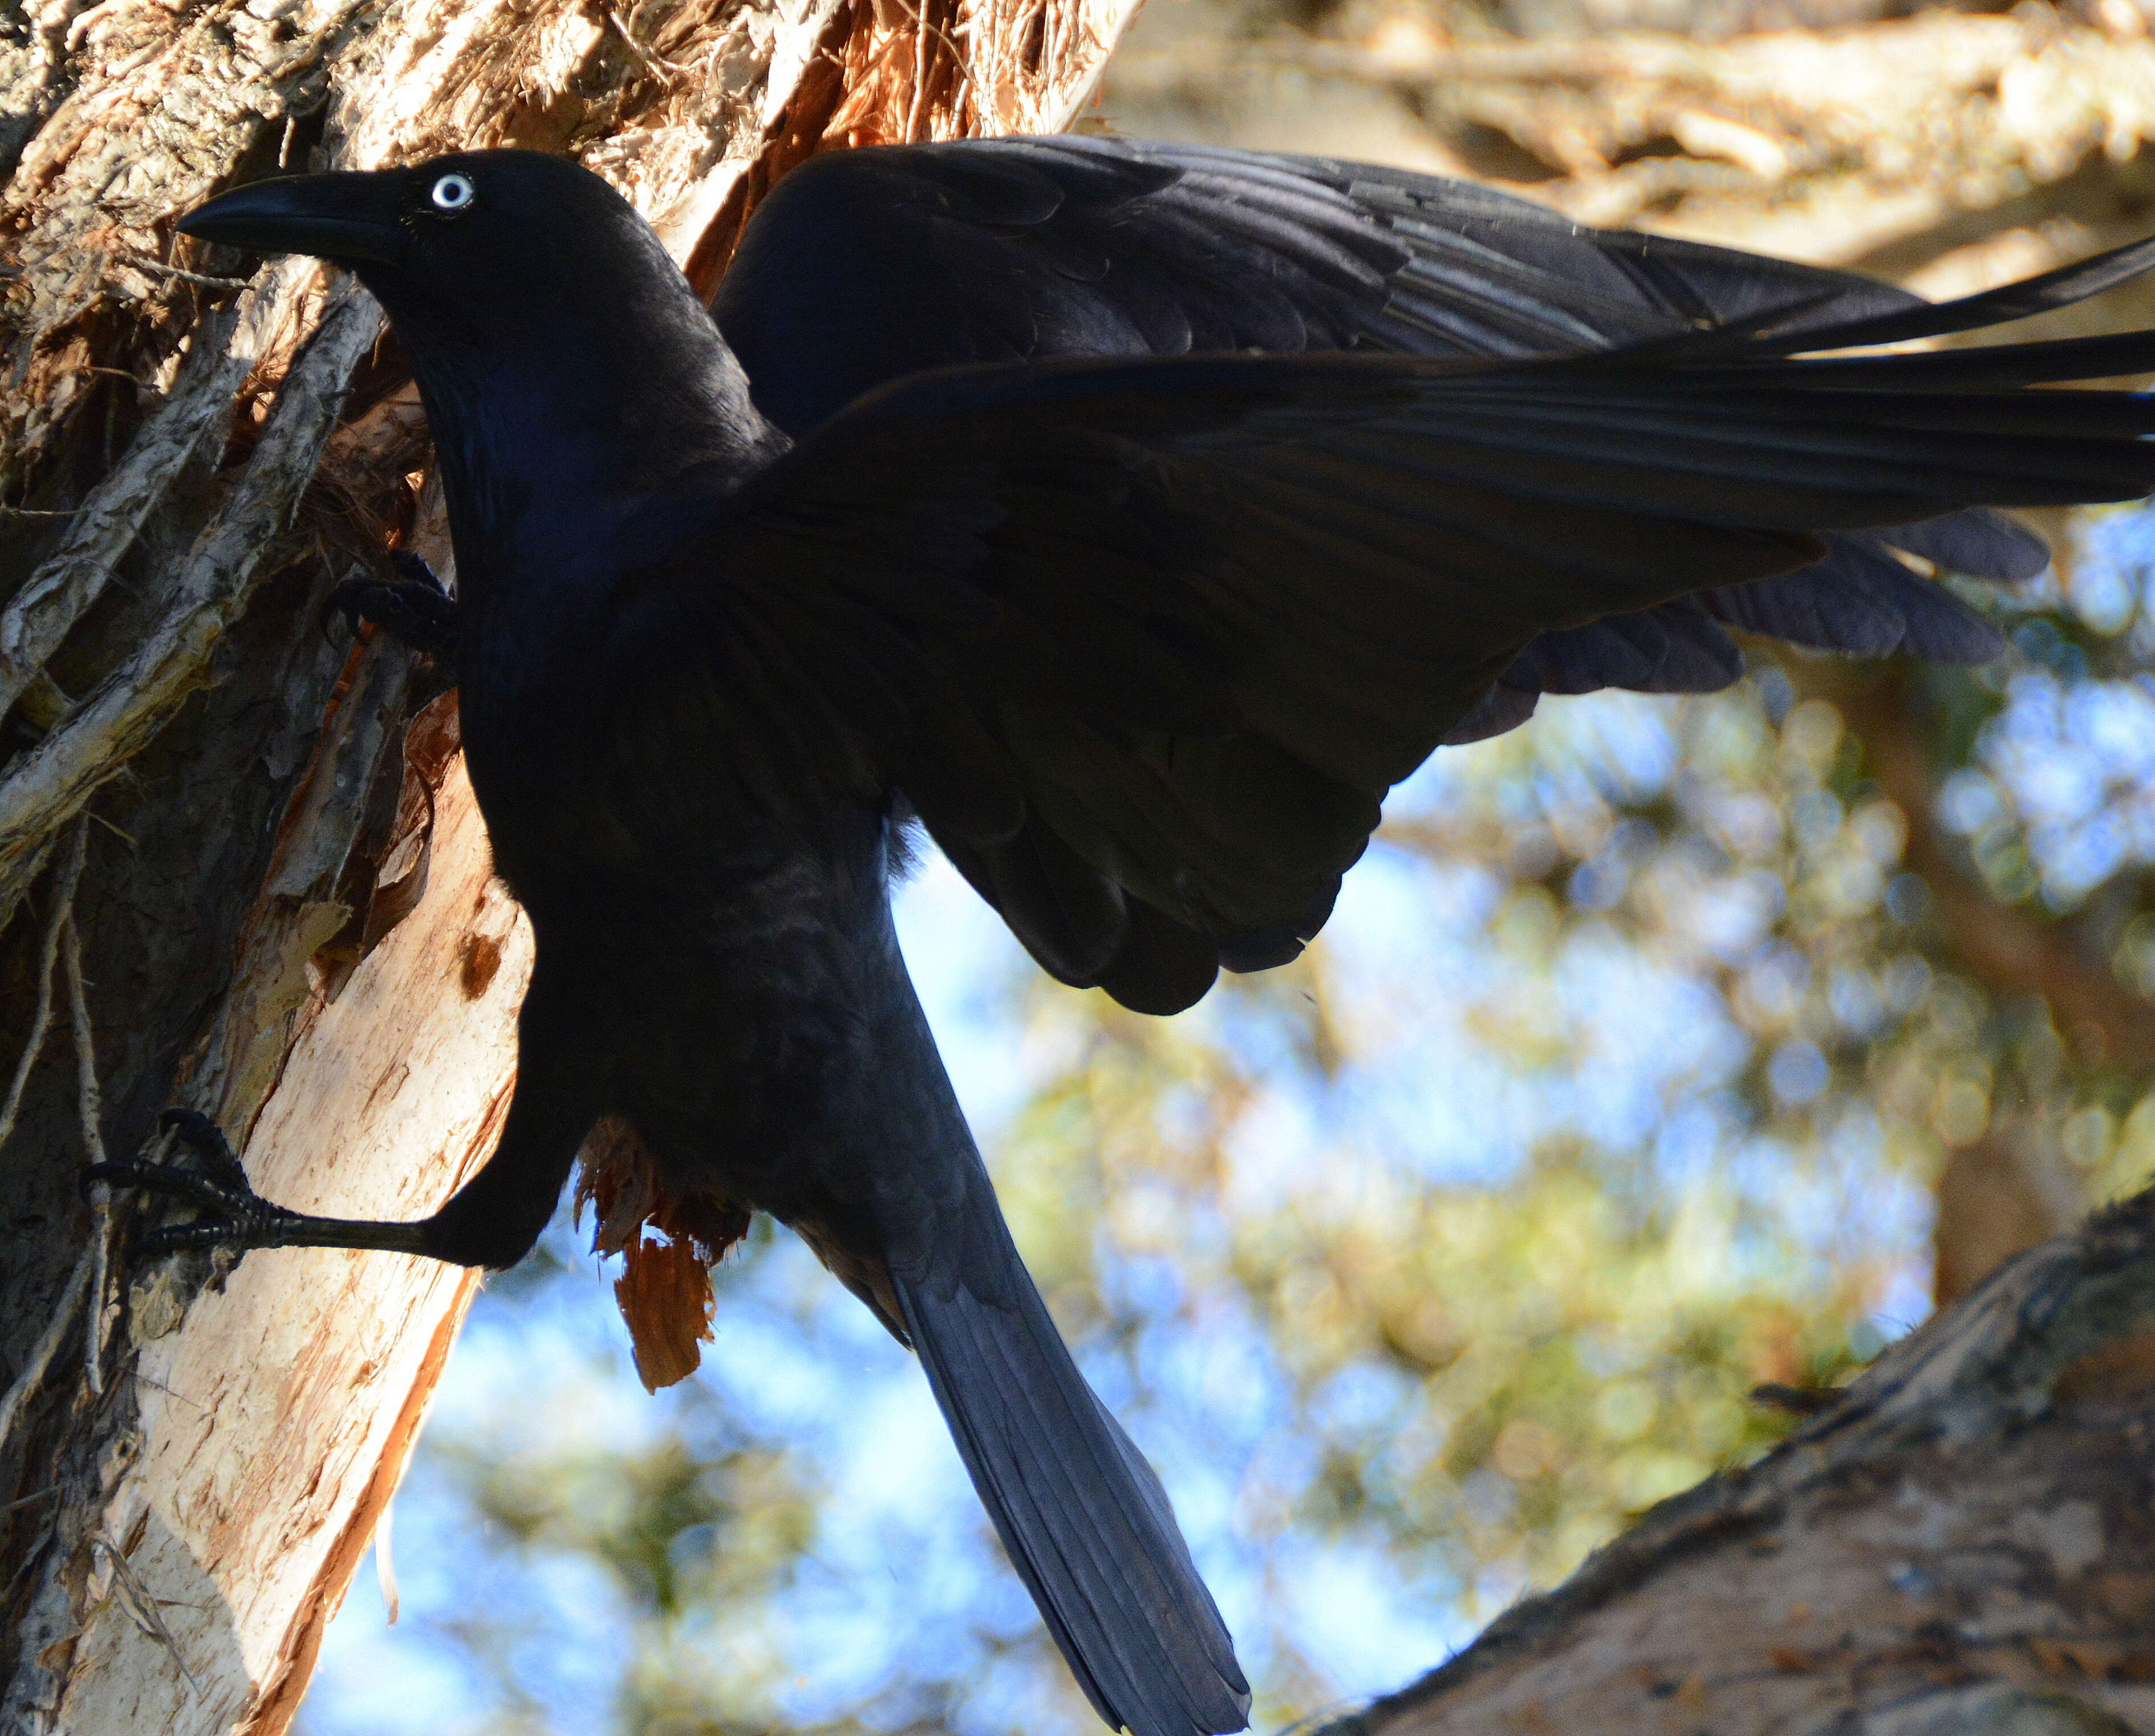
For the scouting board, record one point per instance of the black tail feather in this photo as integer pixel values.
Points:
(1082, 1516)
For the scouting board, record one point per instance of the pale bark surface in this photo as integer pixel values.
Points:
(283, 909)
(274, 1415)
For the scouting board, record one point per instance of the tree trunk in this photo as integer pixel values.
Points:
(237, 879)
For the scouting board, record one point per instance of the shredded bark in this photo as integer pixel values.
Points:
(888, 72)
(664, 1292)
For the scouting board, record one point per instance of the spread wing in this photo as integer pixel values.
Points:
(1145, 642)
(1037, 249)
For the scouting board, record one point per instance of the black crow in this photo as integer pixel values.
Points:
(1133, 516)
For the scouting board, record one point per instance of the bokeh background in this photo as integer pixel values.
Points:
(1658, 1051)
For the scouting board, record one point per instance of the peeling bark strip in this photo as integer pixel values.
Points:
(888, 73)
(284, 910)
(45, 787)
(39, 616)
(1964, 1545)
(664, 1291)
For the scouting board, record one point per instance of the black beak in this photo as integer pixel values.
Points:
(349, 219)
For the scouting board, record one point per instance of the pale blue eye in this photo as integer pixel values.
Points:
(451, 192)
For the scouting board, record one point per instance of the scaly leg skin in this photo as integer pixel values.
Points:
(236, 1217)
(415, 607)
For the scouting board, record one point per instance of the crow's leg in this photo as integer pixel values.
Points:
(492, 1220)
(233, 1215)
(415, 607)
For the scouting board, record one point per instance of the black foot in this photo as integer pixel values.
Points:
(234, 1216)
(415, 607)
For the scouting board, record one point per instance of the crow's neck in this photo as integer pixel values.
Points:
(552, 448)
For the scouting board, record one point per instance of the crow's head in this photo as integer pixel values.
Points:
(481, 243)
(535, 305)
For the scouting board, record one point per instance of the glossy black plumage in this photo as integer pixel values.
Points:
(987, 509)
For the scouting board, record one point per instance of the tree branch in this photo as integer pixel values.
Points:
(1964, 1544)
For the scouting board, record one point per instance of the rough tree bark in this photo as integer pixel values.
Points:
(238, 879)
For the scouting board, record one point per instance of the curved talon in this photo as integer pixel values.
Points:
(340, 602)
(187, 1184)
(234, 1215)
(206, 1140)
